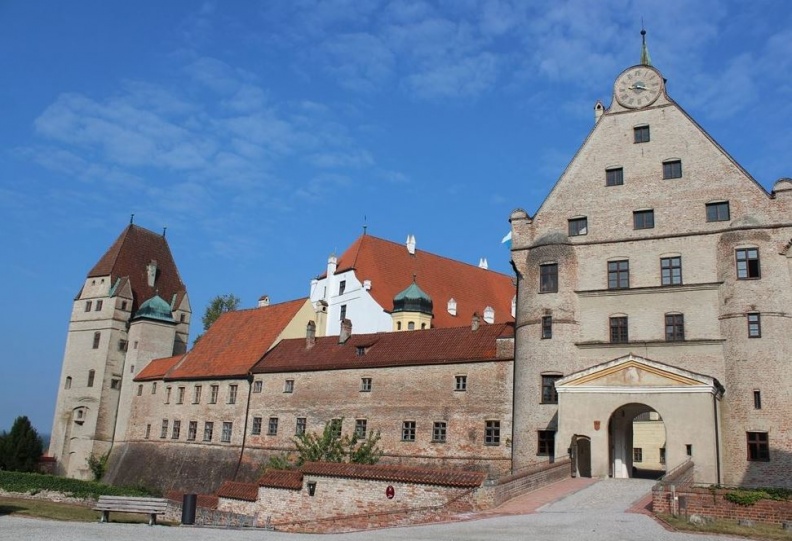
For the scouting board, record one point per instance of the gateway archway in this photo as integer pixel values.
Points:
(637, 442)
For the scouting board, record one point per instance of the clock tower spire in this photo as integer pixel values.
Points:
(645, 60)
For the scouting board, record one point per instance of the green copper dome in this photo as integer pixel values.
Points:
(155, 308)
(413, 299)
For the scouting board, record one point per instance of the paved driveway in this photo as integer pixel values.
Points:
(596, 513)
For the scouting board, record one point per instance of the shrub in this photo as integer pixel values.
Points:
(98, 465)
(36, 482)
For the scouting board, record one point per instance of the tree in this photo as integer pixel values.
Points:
(20, 449)
(217, 307)
(331, 446)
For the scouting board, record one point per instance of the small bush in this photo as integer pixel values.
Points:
(32, 483)
(745, 497)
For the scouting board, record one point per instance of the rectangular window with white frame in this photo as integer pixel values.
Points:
(747, 263)
(408, 431)
(492, 432)
(439, 430)
(671, 271)
(460, 383)
(226, 435)
(754, 325)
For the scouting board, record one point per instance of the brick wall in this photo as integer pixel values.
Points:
(711, 503)
(498, 491)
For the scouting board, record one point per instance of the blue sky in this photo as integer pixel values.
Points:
(264, 135)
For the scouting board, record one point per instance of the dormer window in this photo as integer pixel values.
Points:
(452, 306)
(489, 315)
(360, 351)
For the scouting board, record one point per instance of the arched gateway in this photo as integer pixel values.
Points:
(600, 409)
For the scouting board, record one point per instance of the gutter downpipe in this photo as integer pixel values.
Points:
(514, 358)
(244, 428)
(717, 435)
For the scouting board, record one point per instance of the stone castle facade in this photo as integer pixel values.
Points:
(653, 284)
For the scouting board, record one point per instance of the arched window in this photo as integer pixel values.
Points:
(91, 374)
(411, 326)
(68, 383)
(398, 325)
(97, 337)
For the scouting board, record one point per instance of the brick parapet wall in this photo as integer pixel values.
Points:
(712, 503)
(500, 490)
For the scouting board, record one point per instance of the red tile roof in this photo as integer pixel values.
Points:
(157, 368)
(128, 257)
(235, 342)
(288, 479)
(390, 267)
(238, 491)
(400, 474)
(405, 348)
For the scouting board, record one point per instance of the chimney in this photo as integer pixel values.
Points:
(346, 331)
(332, 264)
(151, 272)
(310, 335)
(411, 244)
(483, 263)
(475, 325)
(263, 301)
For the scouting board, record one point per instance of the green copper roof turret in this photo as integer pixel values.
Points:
(413, 299)
(155, 308)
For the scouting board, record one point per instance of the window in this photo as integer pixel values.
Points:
(197, 394)
(460, 383)
(671, 271)
(672, 169)
(99, 305)
(578, 226)
(232, 393)
(637, 454)
(300, 430)
(167, 394)
(619, 274)
(546, 443)
(154, 387)
(549, 394)
(208, 430)
(226, 435)
(674, 327)
(91, 375)
(67, 384)
(88, 305)
(641, 134)
(192, 430)
(365, 385)
(398, 325)
(343, 312)
(718, 212)
(182, 318)
(148, 431)
(618, 330)
(123, 305)
(754, 325)
(272, 426)
(662, 455)
(689, 449)
(757, 400)
(214, 389)
(548, 278)
(492, 433)
(288, 386)
(341, 287)
(335, 427)
(257, 385)
(176, 430)
(758, 446)
(439, 431)
(614, 177)
(747, 263)
(360, 428)
(256, 428)
(97, 338)
(547, 327)
(408, 431)
(164, 431)
(115, 383)
(411, 325)
(123, 345)
(643, 219)
(180, 395)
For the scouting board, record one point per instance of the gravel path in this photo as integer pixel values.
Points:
(596, 513)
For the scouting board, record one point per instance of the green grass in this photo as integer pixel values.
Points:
(728, 527)
(69, 512)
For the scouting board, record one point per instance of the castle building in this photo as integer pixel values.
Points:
(654, 284)
(132, 308)
(361, 286)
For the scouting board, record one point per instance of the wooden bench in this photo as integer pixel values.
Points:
(128, 504)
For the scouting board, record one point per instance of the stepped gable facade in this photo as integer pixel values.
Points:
(655, 279)
(362, 283)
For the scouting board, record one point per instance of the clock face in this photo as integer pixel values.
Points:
(638, 87)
